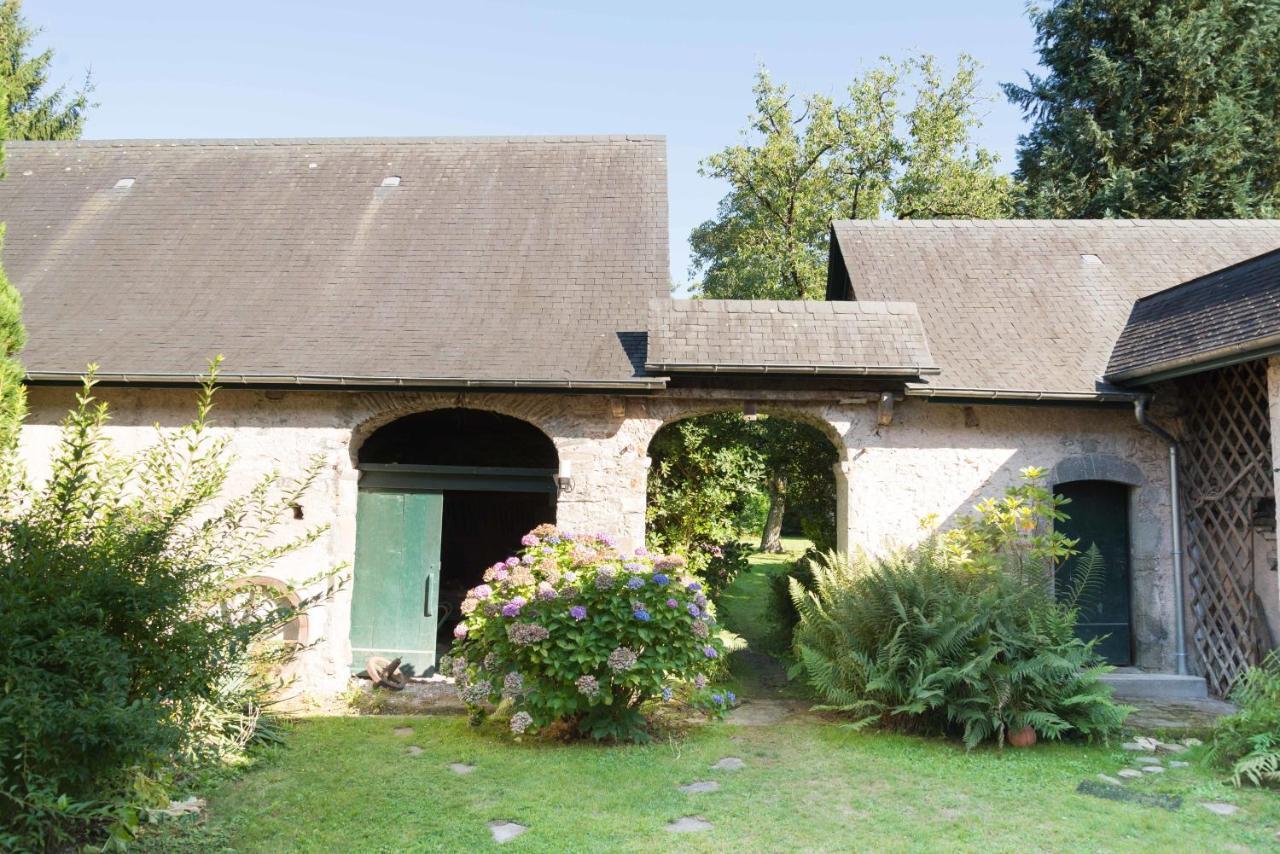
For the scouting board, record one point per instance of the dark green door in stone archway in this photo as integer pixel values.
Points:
(1099, 512)
(397, 577)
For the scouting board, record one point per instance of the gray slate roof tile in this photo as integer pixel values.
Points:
(1229, 314)
(786, 337)
(1013, 306)
(495, 259)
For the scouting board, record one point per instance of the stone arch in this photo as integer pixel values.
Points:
(296, 631)
(1097, 467)
(460, 436)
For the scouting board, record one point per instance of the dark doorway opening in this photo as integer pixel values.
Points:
(480, 529)
(1099, 514)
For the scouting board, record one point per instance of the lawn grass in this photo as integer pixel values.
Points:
(348, 784)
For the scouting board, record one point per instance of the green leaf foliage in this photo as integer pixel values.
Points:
(1248, 742)
(800, 166)
(974, 644)
(1152, 108)
(33, 111)
(133, 647)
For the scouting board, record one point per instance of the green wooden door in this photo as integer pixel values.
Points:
(397, 577)
(1099, 512)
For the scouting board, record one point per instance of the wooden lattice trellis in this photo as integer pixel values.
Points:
(1225, 470)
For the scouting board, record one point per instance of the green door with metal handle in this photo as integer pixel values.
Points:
(397, 577)
(1099, 515)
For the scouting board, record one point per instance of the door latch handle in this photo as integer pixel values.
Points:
(426, 598)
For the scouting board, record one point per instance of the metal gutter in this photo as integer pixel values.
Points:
(897, 371)
(342, 382)
(1220, 357)
(1022, 396)
(1180, 628)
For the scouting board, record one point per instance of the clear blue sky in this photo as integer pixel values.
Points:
(231, 68)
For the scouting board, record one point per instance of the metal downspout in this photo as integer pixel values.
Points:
(1180, 639)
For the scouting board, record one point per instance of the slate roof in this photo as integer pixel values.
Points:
(789, 337)
(1029, 308)
(1228, 316)
(494, 261)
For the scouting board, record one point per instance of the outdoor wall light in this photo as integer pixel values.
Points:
(564, 477)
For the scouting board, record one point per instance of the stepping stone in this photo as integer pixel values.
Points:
(1133, 746)
(700, 787)
(1152, 769)
(1178, 764)
(413, 750)
(1147, 760)
(1109, 779)
(729, 763)
(1192, 742)
(1146, 743)
(505, 831)
(1221, 809)
(1129, 773)
(403, 731)
(1172, 748)
(461, 768)
(1119, 793)
(689, 824)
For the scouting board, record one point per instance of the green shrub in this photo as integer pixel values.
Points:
(126, 633)
(961, 634)
(573, 634)
(1248, 742)
(718, 565)
(782, 607)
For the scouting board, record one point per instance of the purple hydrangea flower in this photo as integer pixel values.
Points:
(527, 559)
(633, 567)
(588, 685)
(522, 634)
(700, 629)
(671, 603)
(553, 539)
(694, 587)
(693, 610)
(642, 552)
(710, 651)
(635, 582)
(622, 659)
(661, 579)
(528, 540)
(512, 608)
(699, 681)
(700, 600)
(578, 613)
(641, 614)
(484, 591)
(513, 561)
(546, 591)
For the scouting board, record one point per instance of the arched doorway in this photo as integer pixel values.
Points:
(443, 494)
(1099, 515)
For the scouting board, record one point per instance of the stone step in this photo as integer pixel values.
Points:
(1130, 682)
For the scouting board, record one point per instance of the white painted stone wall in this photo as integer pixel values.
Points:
(928, 461)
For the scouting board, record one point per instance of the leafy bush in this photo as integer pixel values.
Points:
(1248, 742)
(573, 634)
(124, 626)
(782, 608)
(718, 565)
(962, 633)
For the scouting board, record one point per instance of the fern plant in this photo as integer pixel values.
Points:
(959, 634)
(1248, 742)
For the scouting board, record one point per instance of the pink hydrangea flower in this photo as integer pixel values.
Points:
(460, 631)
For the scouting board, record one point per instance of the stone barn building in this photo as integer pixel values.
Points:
(477, 335)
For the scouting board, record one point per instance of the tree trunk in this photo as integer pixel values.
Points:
(771, 540)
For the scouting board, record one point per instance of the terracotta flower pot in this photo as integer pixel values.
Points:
(1024, 737)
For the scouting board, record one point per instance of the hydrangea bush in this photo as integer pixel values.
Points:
(573, 632)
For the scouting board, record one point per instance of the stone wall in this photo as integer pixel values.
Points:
(933, 459)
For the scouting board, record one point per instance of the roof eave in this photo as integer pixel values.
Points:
(884, 371)
(320, 382)
(1021, 395)
(1220, 357)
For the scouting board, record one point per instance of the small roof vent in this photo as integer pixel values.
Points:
(1090, 259)
(124, 184)
(391, 181)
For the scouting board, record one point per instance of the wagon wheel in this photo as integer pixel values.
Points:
(385, 674)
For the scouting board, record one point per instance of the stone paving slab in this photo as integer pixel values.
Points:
(700, 787)
(461, 768)
(729, 763)
(689, 824)
(505, 831)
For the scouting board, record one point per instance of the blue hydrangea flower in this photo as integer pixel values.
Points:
(732, 698)
(578, 613)
(710, 651)
(718, 699)
(641, 614)
(661, 579)
(694, 587)
(671, 603)
(666, 693)
(694, 610)
(635, 582)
